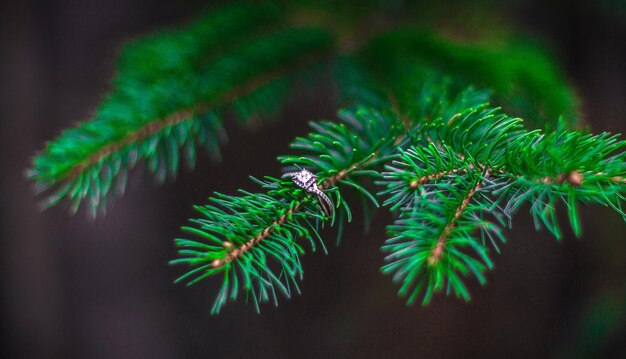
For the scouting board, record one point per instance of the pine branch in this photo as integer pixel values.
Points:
(454, 169)
(237, 252)
(248, 229)
(342, 154)
(224, 230)
(431, 244)
(346, 153)
(510, 168)
(153, 120)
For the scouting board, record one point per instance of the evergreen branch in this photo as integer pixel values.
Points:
(85, 162)
(224, 245)
(236, 218)
(568, 167)
(340, 153)
(534, 168)
(185, 114)
(445, 172)
(447, 159)
(235, 253)
(246, 227)
(455, 170)
(431, 244)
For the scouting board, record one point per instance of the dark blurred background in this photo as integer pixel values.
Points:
(73, 288)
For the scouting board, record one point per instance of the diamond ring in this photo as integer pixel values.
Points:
(308, 182)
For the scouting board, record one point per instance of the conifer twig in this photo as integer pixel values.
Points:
(235, 253)
(439, 248)
(184, 115)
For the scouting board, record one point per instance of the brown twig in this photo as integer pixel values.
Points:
(618, 179)
(237, 252)
(185, 115)
(574, 178)
(435, 176)
(437, 252)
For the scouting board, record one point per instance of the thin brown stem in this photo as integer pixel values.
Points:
(184, 114)
(435, 176)
(237, 252)
(574, 178)
(439, 248)
(618, 179)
